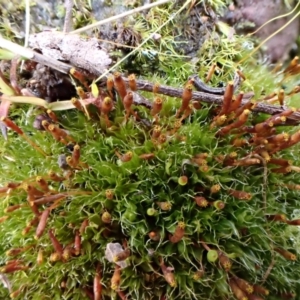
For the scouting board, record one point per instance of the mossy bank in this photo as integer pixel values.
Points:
(177, 200)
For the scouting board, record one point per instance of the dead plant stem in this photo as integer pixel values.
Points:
(145, 85)
(216, 99)
(117, 17)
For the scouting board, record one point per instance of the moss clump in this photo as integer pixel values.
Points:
(194, 214)
(175, 201)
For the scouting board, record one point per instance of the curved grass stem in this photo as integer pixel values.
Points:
(146, 40)
(117, 17)
(269, 37)
(273, 19)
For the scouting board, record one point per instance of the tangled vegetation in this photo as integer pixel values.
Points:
(139, 195)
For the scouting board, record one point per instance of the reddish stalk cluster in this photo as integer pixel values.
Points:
(168, 274)
(243, 290)
(77, 103)
(13, 266)
(60, 135)
(156, 108)
(41, 199)
(294, 67)
(178, 234)
(203, 203)
(97, 286)
(186, 98)
(264, 139)
(10, 124)
(241, 195)
(127, 95)
(225, 262)
(116, 278)
(125, 157)
(286, 254)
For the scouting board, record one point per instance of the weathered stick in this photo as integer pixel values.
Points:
(214, 99)
(32, 55)
(146, 85)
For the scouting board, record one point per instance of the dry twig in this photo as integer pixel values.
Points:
(146, 85)
(68, 26)
(216, 99)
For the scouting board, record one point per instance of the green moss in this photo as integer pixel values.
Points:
(241, 232)
(137, 185)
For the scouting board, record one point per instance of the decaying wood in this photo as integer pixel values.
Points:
(28, 53)
(80, 52)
